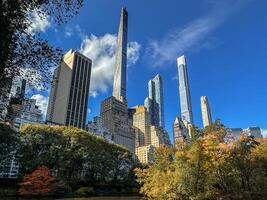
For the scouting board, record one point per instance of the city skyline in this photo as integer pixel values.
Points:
(204, 65)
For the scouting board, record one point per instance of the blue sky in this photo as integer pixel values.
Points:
(224, 42)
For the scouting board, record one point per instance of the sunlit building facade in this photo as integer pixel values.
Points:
(184, 90)
(205, 111)
(70, 91)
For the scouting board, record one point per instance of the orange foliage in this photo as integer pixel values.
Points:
(39, 182)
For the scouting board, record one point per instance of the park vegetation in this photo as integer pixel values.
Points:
(60, 161)
(212, 166)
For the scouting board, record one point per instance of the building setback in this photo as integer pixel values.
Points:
(70, 91)
(206, 112)
(184, 91)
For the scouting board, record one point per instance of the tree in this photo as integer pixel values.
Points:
(38, 183)
(74, 156)
(21, 50)
(9, 143)
(210, 167)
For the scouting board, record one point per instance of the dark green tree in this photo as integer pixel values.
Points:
(21, 49)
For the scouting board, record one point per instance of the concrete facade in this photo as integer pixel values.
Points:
(70, 91)
(119, 83)
(114, 115)
(205, 111)
(145, 153)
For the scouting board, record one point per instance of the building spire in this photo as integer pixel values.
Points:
(119, 83)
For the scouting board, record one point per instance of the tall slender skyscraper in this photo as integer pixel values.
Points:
(185, 99)
(154, 102)
(114, 110)
(205, 110)
(70, 91)
(119, 83)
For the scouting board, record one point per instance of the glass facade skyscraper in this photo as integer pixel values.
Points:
(185, 99)
(154, 102)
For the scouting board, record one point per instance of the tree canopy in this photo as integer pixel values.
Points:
(22, 50)
(211, 167)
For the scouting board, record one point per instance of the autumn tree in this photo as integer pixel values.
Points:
(38, 183)
(210, 167)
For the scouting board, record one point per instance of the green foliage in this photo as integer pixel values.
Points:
(9, 141)
(20, 49)
(73, 155)
(83, 191)
(208, 168)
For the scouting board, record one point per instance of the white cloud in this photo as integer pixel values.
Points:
(264, 133)
(39, 22)
(74, 31)
(193, 36)
(101, 50)
(41, 102)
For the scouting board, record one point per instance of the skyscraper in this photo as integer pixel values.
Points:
(185, 99)
(141, 124)
(70, 91)
(114, 115)
(114, 110)
(154, 102)
(119, 83)
(180, 132)
(205, 110)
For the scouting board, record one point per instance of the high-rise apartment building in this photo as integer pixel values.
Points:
(180, 132)
(141, 124)
(154, 102)
(145, 153)
(185, 99)
(114, 110)
(29, 114)
(97, 127)
(70, 91)
(235, 133)
(159, 136)
(206, 112)
(119, 83)
(253, 131)
(114, 115)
